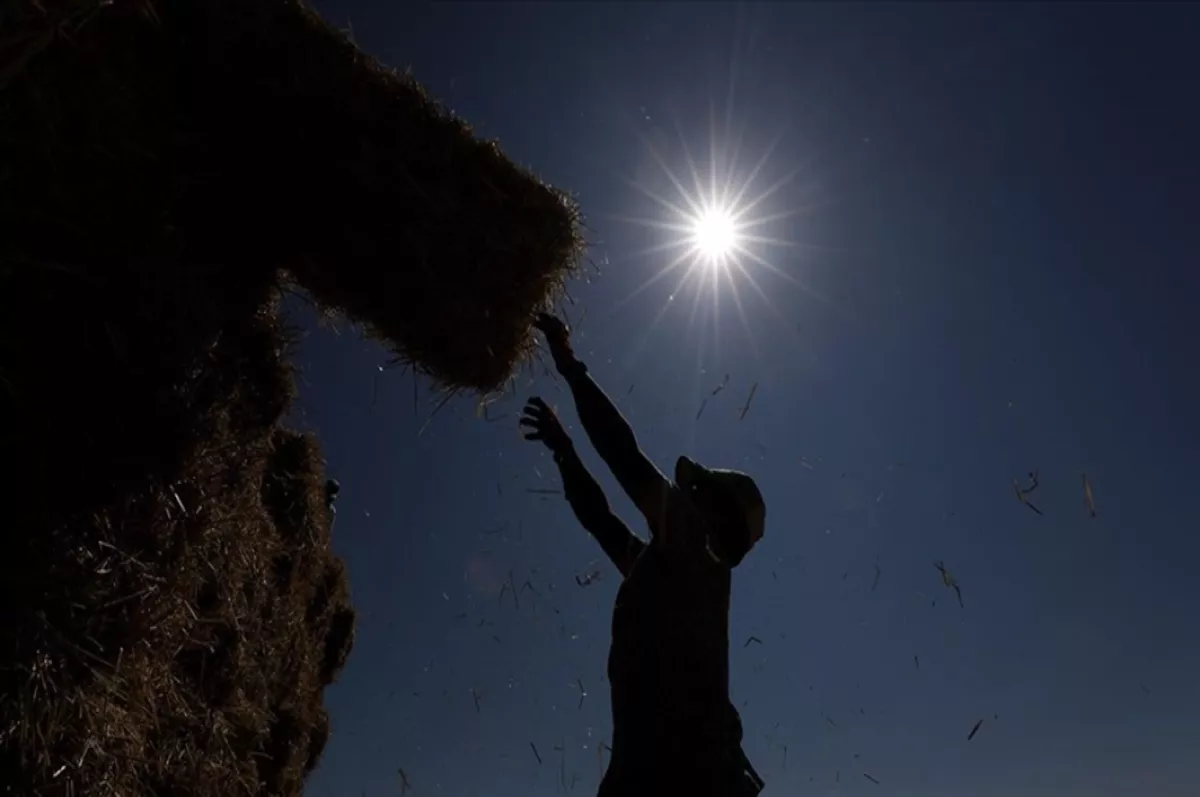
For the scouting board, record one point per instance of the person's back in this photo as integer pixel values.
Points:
(669, 676)
(669, 663)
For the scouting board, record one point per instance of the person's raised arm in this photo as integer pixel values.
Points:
(608, 430)
(583, 492)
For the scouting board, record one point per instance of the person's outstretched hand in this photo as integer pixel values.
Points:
(558, 337)
(544, 425)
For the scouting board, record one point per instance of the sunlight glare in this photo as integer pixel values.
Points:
(714, 234)
(715, 231)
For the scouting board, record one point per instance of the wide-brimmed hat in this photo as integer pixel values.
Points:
(737, 485)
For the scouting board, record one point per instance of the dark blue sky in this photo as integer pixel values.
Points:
(990, 269)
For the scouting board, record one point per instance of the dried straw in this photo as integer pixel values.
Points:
(172, 609)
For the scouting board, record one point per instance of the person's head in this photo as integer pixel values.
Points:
(731, 504)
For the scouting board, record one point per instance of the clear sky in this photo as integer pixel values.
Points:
(988, 266)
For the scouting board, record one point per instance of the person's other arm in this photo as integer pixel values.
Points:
(583, 492)
(607, 429)
(591, 507)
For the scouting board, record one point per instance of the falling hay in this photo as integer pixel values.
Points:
(582, 692)
(950, 581)
(1087, 496)
(588, 579)
(1024, 492)
(749, 399)
(974, 730)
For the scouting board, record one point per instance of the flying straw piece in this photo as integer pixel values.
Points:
(868, 777)
(703, 404)
(1023, 493)
(600, 748)
(588, 579)
(1087, 496)
(974, 731)
(949, 581)
(561, 749)
(752, 639)
(446, 398)
(749, 399)
(721, 386)
(535, 753)
(878, 573)
(404, 785)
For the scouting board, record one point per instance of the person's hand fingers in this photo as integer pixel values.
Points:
(551, 325)
(538, 409)
(537, 403)
(534, 436)
(527, 421)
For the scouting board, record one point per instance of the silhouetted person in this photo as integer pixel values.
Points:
(675, 731)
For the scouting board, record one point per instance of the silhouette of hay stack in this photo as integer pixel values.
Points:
(171, 605)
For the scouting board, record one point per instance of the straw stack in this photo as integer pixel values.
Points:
(173, 610)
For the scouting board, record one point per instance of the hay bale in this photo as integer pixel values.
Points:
(171, 606)
(251, 133)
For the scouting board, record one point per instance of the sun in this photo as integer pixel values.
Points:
(715, 235)
(715, 222)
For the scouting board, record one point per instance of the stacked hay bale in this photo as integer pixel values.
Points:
(171, 605)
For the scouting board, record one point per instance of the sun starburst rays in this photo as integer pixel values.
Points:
(717, 231)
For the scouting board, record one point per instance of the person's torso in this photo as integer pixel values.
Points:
(669, 663)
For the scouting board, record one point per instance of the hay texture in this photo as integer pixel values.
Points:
(252, 131)
(172, 633)
(171, 607)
